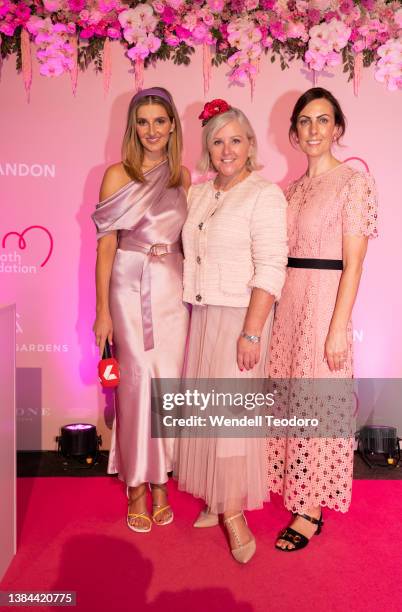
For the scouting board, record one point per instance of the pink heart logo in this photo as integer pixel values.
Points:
(22, 242)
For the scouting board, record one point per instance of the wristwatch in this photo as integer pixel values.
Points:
(253, 339)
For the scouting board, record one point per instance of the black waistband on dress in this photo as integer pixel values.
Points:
(317, 264)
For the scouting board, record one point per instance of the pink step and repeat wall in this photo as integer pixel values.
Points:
(53, 152)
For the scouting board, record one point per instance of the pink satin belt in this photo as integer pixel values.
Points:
(151, 250)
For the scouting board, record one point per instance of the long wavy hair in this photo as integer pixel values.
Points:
(132, 151)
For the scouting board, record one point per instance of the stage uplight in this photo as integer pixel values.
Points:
(378, 446)
(80, 441)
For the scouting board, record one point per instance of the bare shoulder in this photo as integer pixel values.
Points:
(115, 178)
(185, 178)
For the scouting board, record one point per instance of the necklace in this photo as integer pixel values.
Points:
(231, 184)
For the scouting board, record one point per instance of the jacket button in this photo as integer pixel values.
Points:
(200, 226)
(198, 259)
(198, 298)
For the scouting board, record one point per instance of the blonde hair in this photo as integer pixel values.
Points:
(214, 125)
(132, 151)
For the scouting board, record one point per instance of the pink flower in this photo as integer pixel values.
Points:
(297, 30)
(333, 59)
(251, 5)
(319, 5)
(52, 5)
(277, 31)
(222, 46)
(53, 67)
(100, 29)
(172, 40)
(200, 32)
(71, 27)
(398, 17)
(106, 6)
(267, 5)
(216, 6)
(242, 73)
(113, 33)
(84, 15)
(315, 60)
(368, 4)
(140, 51)
(95, 17)
(159, 7)
(267, 41)
(346, 7)
(7, 28)
(330, 16)
(87, 32)
(182, 33)
(22, 12)
(175, 4)
(5, 6)
(153, 42)
(59, 28)
(76, 5)
(358, 46)
(168, 16)
(314, 16)
(34, 24)
(207, 17)
(43, 38)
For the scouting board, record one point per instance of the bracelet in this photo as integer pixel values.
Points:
(253, 339)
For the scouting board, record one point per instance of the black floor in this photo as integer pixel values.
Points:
(50, 463)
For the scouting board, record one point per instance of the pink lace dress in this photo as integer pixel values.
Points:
(316, 471)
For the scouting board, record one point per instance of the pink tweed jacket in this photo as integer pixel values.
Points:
(234, 242)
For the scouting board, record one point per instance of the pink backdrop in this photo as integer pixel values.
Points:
(53, 153)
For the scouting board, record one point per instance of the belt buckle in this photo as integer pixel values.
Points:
(158, 250)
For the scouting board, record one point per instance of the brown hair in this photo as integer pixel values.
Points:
(132, 151)
(317, 93)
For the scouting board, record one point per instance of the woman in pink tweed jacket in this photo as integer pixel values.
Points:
(235, 252)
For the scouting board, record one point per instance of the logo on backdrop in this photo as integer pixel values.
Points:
(11, 261)
(37, 348)
(22, 170)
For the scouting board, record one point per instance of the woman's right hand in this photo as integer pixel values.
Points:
(103, 328)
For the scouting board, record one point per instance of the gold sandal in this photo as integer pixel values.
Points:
(157, 509)
(134, 515)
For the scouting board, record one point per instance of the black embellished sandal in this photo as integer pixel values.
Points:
(299, 540)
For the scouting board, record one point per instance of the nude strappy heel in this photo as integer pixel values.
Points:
(206, 519)
(243, 552)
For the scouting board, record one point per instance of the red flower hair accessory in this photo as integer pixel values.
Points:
(215, 107)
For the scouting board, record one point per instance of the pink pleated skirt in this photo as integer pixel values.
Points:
(228, 473)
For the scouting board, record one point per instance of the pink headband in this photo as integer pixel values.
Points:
(152, 91)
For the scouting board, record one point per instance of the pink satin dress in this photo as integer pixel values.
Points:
(150, 320)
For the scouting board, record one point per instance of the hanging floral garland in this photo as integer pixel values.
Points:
(72, 34)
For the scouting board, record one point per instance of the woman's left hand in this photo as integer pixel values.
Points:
(248, 354)
(336, 349)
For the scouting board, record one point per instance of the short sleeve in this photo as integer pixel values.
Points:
(359, 208)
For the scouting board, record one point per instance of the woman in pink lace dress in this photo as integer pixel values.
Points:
(331, 215)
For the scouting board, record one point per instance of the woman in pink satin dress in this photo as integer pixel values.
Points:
(139, 292)
(332, 211)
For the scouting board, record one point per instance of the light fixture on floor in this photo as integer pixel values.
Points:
(378, 446)
(79, 441)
